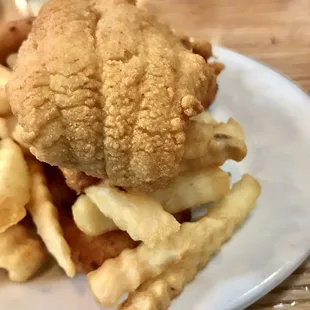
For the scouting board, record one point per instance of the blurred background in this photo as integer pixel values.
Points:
(276, 32)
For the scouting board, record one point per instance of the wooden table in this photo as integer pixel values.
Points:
(276, 32)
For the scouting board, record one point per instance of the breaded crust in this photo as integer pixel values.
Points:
(89, 253)
(106, 89)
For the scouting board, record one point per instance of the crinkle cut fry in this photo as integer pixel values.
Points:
(134, 267)
(45, 217)
(14, 184)
(157, 293)
(221, 141)
(21, 254)
(193, 188)
(186, 191)
(137, 213)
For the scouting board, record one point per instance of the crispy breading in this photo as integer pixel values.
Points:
(133, 267)
(89, 252)
(45, 216)
(114, 94)
(62, 195)
(21, 254)
(14, 184)
(78, 181)
(157, 293)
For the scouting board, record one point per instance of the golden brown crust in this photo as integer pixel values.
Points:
(202, 48)
(78, 181)
(106, 89)
(89, 252)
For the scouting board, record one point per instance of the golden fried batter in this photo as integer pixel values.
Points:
(88, 253)
(78, 181)
(113, 96)
(62, 195)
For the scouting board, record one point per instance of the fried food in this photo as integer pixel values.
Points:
(9, 128)
(11, 60)
(183, 216)
(202, 48)
(45, 217)
(14, 184)
(114, 107)
(157, 293)
(5, 75)
(134, 267)
(217, 66)
(78, 181)
(62, 196)
(12, 34)
(4, 130)
(15, 133)
(137, 213)
(20, 254)
(225, 141)
(92, 222)
(192, 189)
(89, 219)
(89, 252)
(188, 190)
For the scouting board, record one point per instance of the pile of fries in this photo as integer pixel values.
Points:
(166, 254)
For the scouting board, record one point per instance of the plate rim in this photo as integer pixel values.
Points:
(284, 272)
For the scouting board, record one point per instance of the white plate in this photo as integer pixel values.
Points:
(274, 241)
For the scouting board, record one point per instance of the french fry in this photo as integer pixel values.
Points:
(11, 60)
(20, 254)
(186, 191)
(192, 189)
(205, 118)
(5, 74)
(157, 293)
(45, 217)
(227, 142)
(89, 219)
(4, 130)
(14, 131)
(134, 267)
(14, 184)
(139, 214)
(9, 128)
(198, 137)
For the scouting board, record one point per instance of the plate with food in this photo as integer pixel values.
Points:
(145, 170)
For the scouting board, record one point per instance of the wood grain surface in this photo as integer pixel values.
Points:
(276, 32)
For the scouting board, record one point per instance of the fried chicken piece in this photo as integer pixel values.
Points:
(78, 181)
(113, 97)
(89, 253)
